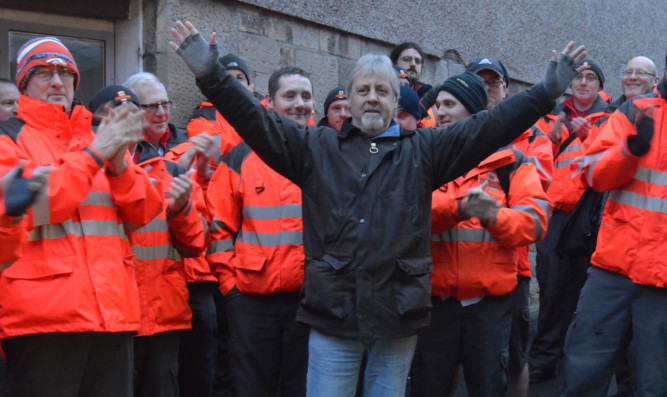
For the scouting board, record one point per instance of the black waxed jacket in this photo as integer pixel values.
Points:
(367, 203)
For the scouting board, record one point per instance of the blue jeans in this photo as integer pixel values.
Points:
(334, 365)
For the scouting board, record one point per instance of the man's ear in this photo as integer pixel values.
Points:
(269, 101)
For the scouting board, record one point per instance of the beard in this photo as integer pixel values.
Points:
(372, 122)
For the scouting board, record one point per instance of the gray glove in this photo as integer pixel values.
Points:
(559, 76)
(199, 55)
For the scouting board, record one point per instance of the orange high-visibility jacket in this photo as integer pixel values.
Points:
(537, 148)
(631, 240)
(257, 230)
(196, 269)
(472, 260)
(158, 248)
(563, 191)
(77, 271)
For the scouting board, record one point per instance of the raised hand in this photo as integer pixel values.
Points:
(199, 55)
(563, 68)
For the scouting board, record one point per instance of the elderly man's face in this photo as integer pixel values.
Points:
(52, 84)
(153, 98)
(496, 89)
(412, 62)
(293, 99)
(9, 101)
(338, 111)
(639, 77)
(450, 110)
(373, 103)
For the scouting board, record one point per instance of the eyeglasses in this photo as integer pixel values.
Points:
(153, 107)
(493, 83)
(45, 74)
(639, 73)
(588, 77)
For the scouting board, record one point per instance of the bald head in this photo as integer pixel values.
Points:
(639, 78)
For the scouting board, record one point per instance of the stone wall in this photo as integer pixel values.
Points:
(325, 37)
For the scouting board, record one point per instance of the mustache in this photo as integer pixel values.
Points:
(372, 108)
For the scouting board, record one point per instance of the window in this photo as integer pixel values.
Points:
(92, 50)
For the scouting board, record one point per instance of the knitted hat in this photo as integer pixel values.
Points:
(595, 67)
(336, 94)
(469, 89)
(489, 64)
(113, 93)
(231, 61)
(408, 102)
(40, 52)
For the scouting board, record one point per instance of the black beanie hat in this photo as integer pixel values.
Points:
(469, 89)
(408, 102)
(116, 93)
(334, 95)
(231, 61)
(595, 67)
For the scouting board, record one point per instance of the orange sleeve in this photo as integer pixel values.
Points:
(525, 221)
(189, 227)
(446, 209)
(226, 207)
(609, 163)
(138, 197)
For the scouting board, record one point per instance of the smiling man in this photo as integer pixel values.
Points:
(256, 252)
(639, 78)
(568, 127)
(366, 194)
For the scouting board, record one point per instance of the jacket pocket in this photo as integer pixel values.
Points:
(412, 287)
(328, 287)
(41, 268)
(250, 279)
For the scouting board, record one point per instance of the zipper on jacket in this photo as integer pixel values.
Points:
(374, 148)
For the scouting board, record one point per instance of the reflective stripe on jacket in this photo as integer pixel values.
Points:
(563, 191)
(159, 248)
(631, 240)
(77, 271)
(256, 231)
(472, 260)
(537, 148)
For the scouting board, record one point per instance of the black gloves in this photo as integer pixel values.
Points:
(640, 144)
(19, 196)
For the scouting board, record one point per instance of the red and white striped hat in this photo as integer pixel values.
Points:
(39, 52)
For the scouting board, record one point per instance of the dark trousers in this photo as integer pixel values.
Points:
(520, 331)
(222, 384)
(156, 365)
(560, 279)
(269, 348)
(613, 311)
(70, 364)
(476, 336)
(197, 355)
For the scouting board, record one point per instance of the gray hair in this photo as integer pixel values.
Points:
(374, 64)
(141, 78)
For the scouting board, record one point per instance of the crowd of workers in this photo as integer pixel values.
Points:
(262, 254)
